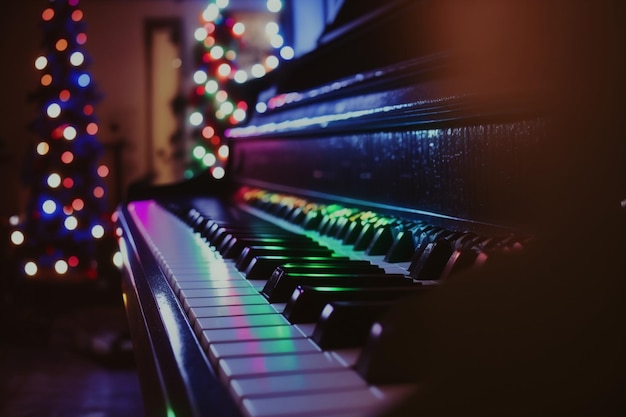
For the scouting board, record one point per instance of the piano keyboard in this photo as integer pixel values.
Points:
(271, 367)
(282, 310)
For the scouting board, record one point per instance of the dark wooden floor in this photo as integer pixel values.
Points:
(65, 352)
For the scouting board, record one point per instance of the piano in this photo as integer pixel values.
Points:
(427, 217)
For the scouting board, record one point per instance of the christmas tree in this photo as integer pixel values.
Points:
(66, 216)
(226, 55)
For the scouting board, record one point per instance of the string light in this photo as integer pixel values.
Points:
(77, 58)
(200, 33)
(67, 157)
(209, 159)
(239, 29)
(47, 14)
(219, 63)
(223, 151)
(54, 180)
(274, 5)
(196, 118)
(49, 206)
(41, 62)
(61, 267)
(97, 231)
(78, 204)
(17, 237)
(224, 70)
(208, 132)
(77, 15)
(217, 52)
(56, 212)
(103, 171)
(69, 133)
(70, 223)
(53, 110)
(200, 77)
(43, 148)
(30, 268)
(46, 80)
(84, 80)
(211, 86)
(287, 52)
(64, 95)
(92, 128)
(198, 152)
(61, 45)
(218, 173)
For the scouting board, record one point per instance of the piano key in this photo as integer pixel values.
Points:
(232, 247)
(233, 322)
(205, 284)
(402, 247)
(218, 292)
(279, 385)
(250, 252)
(281, 284)
(382, 240)
(307, 302)
(249, 366)
(344, 324)
(391, 339)
(461, 259)
(365, 237)
(261, 267)
(240, 332)
(357, 400)
(229, 311)
(431, 260)
(219, 351)
(249, 334)
(223, 301)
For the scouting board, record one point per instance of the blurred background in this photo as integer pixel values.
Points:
(64, 343)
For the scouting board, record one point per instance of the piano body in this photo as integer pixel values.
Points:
(420, 181)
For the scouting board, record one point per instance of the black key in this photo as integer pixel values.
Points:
(365, 237)
(462, 259)
(346, 324)
(280, 286)
(382, 240)
(353, 232)
(261, 267)
(223, 232)
(233, 245)
(402, 248)
(430, 261)
(391, 340)
(307, 302)
(250, 252)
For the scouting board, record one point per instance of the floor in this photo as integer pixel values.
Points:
(65, 352)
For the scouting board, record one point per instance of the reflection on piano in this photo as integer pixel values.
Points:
(433, 229)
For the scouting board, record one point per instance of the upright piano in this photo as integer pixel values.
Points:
(424, 216)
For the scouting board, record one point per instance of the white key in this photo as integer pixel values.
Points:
(359, 400)
(275, 385)
(206, 323)
(249, 334)
(218, 292)
(262, 347)
(225, 311)
(191, 285)
(224, 301)
(263, 365)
